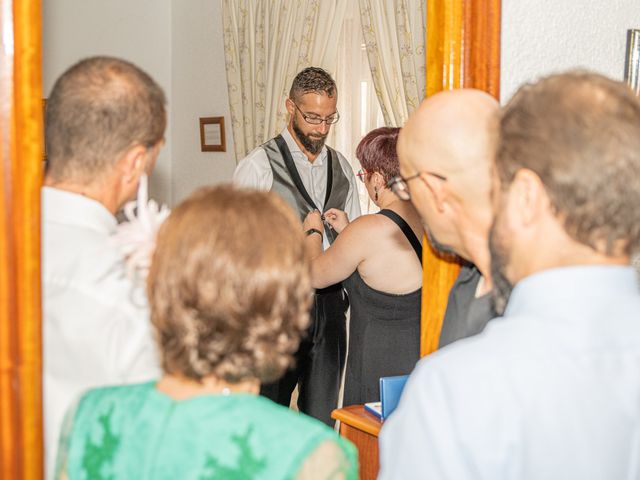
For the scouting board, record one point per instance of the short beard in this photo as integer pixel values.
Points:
(502, 287)
(312, 146)
(436, 244)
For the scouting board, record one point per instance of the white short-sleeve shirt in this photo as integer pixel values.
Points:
(96, 328)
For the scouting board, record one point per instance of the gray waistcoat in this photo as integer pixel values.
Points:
(287, 183)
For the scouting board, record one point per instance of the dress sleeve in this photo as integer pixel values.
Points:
(330, 460)
(64, 443)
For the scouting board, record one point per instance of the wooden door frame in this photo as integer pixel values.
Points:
(21, 164)
(463, 50)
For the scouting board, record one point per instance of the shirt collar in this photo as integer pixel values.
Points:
(468, 271)
(67, 208)
(571, 289)
(297, 154)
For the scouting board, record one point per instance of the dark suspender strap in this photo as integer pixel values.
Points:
(330, 154)
(295, 176)
(406, 229)
(293, 171)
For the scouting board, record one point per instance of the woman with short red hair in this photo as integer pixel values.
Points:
(379, 260)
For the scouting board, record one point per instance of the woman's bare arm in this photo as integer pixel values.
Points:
(345, 254)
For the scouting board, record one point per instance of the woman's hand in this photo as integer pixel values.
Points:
(337, 219)
(313, 220)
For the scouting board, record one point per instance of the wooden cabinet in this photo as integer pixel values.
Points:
(361, 428)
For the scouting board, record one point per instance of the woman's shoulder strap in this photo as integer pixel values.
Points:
(406, 229)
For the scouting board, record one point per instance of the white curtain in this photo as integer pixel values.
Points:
(266, 43)
(357, 101)
(394, 35)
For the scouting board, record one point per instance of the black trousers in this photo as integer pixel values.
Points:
(319, 359)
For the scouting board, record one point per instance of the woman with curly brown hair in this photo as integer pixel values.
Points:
(229, 292)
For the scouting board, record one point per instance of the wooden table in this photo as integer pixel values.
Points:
(362, 428)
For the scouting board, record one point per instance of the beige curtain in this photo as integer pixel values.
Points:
(266, 43)
(394, 35)
(357, 101)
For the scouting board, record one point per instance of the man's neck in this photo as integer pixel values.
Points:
(477, 252)
(98, 193)
(310, 156)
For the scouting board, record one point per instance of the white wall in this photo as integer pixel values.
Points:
(179, 43)
(540, 37)
(73, 29)
(199, 90)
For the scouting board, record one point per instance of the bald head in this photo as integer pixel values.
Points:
(451, 135)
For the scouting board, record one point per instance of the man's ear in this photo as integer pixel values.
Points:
(152, 156)
(291, 108)
(528, 196)
(437, 188)
(132, 164)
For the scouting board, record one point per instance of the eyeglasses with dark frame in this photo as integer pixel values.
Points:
(361, 174)
(314, 120)
(400, 185)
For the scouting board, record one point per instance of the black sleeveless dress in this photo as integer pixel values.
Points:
(384, 332)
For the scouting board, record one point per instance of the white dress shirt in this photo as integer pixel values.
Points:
(255, 171)
(549, 391)
(96, 328)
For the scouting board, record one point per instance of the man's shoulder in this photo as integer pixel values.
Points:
(498, 345)
(88, 271)
(254, 170)
(256, 157)
(73, 250)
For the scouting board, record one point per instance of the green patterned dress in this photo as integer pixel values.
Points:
(137, 432)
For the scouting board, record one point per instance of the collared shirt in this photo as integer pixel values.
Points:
(466, 314)
(96, 328)
(255, 171)
(550, 390)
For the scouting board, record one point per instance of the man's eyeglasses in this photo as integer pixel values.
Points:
(361, 174)
(316, 120)
(400, 185)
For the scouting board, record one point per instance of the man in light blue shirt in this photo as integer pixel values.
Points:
(551, 389)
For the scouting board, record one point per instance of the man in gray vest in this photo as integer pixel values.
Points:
(310, 176)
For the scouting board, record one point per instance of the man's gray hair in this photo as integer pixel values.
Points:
(580, 133)
(99, 108)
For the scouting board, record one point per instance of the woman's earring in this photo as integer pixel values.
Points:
(376, 190)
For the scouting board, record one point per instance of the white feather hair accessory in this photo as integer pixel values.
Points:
(136, 236)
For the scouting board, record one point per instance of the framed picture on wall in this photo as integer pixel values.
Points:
(212, 134)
